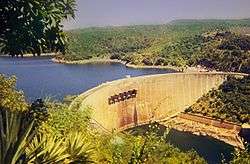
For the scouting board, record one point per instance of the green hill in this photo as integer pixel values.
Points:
(180, 43)
(230, 102)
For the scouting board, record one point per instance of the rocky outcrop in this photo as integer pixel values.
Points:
(198, 125)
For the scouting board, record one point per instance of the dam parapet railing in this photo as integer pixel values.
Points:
(129, 102)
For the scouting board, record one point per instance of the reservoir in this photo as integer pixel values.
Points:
(40, 78)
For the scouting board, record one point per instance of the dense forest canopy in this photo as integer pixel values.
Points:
(212, 43)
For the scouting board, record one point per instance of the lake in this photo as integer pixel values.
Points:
(40, 77)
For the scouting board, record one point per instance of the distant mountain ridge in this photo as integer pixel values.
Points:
(184, 21)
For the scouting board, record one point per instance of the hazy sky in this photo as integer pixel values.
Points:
(129, 12)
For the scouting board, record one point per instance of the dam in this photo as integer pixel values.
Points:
(129, 102)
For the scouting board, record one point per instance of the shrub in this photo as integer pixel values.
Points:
(16, 131)
(115, 56)
(147, 61)
(38, 112)
(47, 148)
(63, 120)
(241, 157)
(160, 61)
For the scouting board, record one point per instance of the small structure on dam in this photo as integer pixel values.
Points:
(122, 96)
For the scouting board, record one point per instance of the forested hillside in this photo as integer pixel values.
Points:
(216, 44)
(230, 102)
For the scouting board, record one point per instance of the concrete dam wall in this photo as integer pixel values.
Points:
(125, 103)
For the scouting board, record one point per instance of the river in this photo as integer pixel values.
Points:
(40, 78)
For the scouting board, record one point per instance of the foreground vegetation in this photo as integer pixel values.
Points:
(230, 102)
(49, 132)
(215, 44)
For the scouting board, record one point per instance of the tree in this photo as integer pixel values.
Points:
(33, 25)
(38, 112)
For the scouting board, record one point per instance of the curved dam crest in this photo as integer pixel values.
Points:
(129, 102)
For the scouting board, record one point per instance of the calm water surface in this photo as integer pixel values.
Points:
(212, 150)
(40, 77)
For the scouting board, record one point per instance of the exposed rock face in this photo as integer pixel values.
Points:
(198, 125)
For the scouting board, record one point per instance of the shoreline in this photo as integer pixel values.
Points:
(53, 58)
(153, 67)
(52, 55)
(103, 61)
(91, 61)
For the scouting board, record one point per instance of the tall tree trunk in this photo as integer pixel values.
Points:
(39, 53)
(12, 54)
